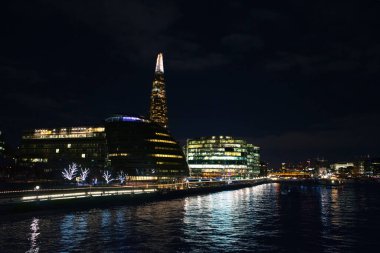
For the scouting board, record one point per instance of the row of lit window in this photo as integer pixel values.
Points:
(223, 170)
(166, 171)
(61, 145)
(225, 145)
(71, 130)
(204, 153)
(165, 148)
(215, 154)
(219, 149)
(35, 160)
(221, 162)
(166, 155)
(216, 141)
(162, 134)
(168, 163)
(217, 158)
(222, 166)
(118, 154)
(61, 136)
(162, 141)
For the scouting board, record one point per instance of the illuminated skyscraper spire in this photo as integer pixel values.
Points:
(158, 107)
(160, 63)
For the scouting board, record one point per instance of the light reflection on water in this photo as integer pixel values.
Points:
(34, 248)
(260, 218)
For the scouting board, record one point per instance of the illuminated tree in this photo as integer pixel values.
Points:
(84, 174)
(107, 176)
(70, 172)
(121, 177)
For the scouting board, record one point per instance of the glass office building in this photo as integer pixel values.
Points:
(48, 151)
(158, 103)
(144, 150)
(253, 160)
(222, 156)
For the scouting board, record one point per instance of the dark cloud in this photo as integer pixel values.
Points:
(242, 42)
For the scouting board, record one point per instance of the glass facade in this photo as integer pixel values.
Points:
(222, 156)
(48, 151)
(158, 104)
(253, 160)
(144, 150)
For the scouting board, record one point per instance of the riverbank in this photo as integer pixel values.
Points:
(84, 198)
(19, 202)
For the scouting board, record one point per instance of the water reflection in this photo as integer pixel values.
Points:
(260, 218)
(227, 220)
(34, 228)
(73, 230)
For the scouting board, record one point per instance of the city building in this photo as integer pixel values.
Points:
(343, 169)
(367, 166)
(141, 148)
(222, 156)
(263, 169)
(47, 151)
(144, 150)
(158, 105)
(253, 160)
(320, 166)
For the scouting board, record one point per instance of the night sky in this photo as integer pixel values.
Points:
(298, 78)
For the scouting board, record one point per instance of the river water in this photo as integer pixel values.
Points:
(264, 218)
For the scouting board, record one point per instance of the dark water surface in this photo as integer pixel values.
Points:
(261, 218)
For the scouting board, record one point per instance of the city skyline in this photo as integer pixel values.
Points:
(189, 126)
(298, 90)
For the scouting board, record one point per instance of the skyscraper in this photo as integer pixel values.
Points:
(158, 107)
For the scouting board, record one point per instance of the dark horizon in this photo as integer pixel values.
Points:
(298, 79)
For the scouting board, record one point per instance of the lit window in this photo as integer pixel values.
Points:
(69, 145)
(118, 154)
(83, 155)
(162, 134)
(163, 141)
(57, 150)
(166, 155)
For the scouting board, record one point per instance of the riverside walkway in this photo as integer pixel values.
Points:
(59, 197)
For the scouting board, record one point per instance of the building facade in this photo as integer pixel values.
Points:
(144, 150)
(368, 166)
(222, 156)
(253, 160)
(158, 103)
(48, 151)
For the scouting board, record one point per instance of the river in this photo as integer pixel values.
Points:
(263, 218)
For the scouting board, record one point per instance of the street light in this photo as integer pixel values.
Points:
(36, 188)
